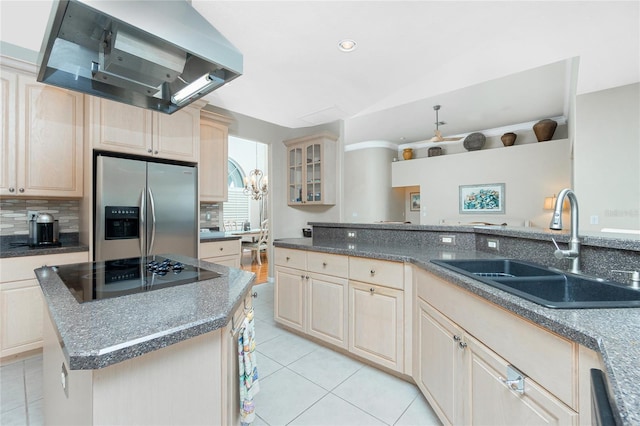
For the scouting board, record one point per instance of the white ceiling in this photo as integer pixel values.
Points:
(410, 56)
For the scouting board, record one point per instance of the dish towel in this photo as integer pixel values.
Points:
(248, 368)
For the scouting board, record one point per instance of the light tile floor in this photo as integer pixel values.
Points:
(301, 383)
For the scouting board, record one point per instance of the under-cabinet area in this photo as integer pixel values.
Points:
(474, 361)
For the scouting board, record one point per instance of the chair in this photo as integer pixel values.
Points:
(260, 245)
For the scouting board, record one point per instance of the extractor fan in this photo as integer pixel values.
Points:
(438, 135)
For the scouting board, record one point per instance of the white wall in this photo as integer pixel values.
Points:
(368, 197)
(530, 173)
(607, 158)
(286, 221)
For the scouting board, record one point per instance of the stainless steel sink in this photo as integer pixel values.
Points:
(545, 286)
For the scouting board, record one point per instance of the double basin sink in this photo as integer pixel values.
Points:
(545, 286)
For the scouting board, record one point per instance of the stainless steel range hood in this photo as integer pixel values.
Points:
(160, 55)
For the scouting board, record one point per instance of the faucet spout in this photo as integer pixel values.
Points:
(556, 224)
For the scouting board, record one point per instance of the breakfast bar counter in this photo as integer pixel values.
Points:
(613, 333)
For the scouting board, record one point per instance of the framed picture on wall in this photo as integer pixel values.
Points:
(414, 201)
(485, 198)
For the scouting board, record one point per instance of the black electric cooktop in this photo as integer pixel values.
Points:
(112, 278)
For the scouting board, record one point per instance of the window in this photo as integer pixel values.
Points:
(236, 175)
(236, 208)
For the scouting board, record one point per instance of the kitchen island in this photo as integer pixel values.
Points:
(156, 357)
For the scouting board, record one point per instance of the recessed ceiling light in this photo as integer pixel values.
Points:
(347, 45)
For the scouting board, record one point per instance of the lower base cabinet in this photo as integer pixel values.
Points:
(493, 402)
(465, 382)
(225, 253)
(289, 298)
(21, 303)
(327, 311)
(440, 361)
(376, 324)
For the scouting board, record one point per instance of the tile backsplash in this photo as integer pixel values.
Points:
(13, 214)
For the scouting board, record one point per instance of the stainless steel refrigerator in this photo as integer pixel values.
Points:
(144, 208)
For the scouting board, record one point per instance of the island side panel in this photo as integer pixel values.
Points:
(179, 384)
(73, 407)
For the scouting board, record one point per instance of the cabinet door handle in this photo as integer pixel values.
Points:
(302, 277)
(372, 290)
(287, 258)
(12, 189)
(221, 248)
(462, 345)
(21, 190)
(254, 294)
(324, 264)
(372, 271)
(155, 152)
(149, 150)
(457, 338)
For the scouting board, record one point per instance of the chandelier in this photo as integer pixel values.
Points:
(255, 184)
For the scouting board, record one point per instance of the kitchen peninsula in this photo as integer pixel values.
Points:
(156, 357)
(455, 336)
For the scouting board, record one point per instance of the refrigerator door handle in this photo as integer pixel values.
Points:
(141, 226)
(152, 208)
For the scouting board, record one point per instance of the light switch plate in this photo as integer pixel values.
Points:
(493, 244)
(448, 239)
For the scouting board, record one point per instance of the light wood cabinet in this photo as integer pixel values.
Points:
(117, 127)
(290, 298)
(315, 293)
(21, 304)
(493, 402)
(213, 166)
(42, 138)
(311, 170)
(327, 309)
(464, 379)
(439, 373)
(376, 324)
(311, 294)
(226, 252)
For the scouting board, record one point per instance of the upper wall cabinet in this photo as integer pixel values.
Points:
(311, 170)
(214, 141)
(42, 138)
(113, 126)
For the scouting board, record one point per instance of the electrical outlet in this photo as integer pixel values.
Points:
(448, 239)
(351, 234)
(493, 244)
(351, 246)
(31, 213)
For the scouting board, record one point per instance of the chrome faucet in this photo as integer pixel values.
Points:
(556, 223)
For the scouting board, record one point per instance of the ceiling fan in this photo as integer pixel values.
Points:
(438, 134)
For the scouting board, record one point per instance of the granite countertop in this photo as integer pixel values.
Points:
(104, 332)
(16, 246)
(207, 236)
(614, 333)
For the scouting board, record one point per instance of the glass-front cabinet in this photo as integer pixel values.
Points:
(311, 168)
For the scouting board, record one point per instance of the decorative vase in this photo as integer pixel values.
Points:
(508, 139)
(544, 129)
(407, 153)
(474, 141)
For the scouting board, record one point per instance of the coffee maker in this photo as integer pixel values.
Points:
(43, 231)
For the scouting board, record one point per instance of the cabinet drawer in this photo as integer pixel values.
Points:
(329, 264)
(540, 354)
(382, 272)
(219, 248)
(21, 268)
(291, 258)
